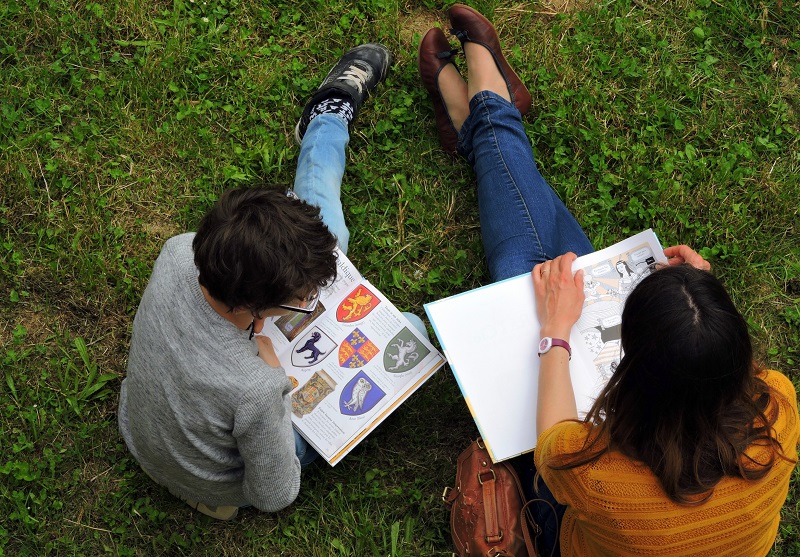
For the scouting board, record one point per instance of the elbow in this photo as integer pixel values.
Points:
(279, 495)
(279, 500)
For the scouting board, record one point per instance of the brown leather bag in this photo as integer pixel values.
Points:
(488, 515)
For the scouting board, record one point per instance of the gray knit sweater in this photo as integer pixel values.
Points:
(199, 410)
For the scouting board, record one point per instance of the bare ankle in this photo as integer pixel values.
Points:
(483, 72)
(454, 93)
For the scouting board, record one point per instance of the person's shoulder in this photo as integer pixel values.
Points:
(780, 385)
(178, 243)
(176, 252)
(564, 437)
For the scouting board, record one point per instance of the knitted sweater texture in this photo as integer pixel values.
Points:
(199, 410)
(616, 506)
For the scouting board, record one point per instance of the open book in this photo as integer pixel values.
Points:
(490, 337)
(352, 362)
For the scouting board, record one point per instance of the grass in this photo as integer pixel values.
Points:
(122, 122)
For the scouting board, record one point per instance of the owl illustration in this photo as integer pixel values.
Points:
(358, 394)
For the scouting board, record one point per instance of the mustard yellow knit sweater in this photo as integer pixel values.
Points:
(615, 506)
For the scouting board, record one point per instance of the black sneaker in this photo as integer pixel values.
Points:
(347, 85)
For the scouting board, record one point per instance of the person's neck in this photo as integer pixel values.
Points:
(241, 319)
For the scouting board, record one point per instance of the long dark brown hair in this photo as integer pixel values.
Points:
(686, 398)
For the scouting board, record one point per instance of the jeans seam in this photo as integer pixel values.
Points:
(519, 201)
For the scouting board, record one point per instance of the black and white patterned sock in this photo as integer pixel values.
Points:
(341, 107)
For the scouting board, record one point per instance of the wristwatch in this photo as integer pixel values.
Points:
(548, 342)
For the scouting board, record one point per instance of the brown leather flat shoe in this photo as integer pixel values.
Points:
(469, 25)
(434, 54)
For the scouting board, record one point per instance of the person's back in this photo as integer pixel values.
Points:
(616, 506)
(197, 397)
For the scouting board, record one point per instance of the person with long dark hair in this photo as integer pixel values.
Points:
(689, 448)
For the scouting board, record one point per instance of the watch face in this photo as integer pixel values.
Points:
(544, 344)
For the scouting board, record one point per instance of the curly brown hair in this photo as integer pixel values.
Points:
(258, 248)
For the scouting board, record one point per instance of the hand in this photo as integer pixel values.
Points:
(559, 295)
(266, 351)
(678, 255)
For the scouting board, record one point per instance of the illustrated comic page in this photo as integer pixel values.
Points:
(607, 283)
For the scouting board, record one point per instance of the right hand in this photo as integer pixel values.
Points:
(266, 351)
(678, 255)
(559, 295)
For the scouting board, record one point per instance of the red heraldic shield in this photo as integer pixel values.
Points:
(357, 305)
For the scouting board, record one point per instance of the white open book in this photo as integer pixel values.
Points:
(490, 337)
(352, 362)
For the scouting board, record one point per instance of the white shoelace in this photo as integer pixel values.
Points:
(357, 75)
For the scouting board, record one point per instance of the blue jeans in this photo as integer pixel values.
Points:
(523, 222)
(305, 453)
(320, 168)
(318, 181)
(547, 518)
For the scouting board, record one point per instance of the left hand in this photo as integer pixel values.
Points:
(678, 255)
(559, 295)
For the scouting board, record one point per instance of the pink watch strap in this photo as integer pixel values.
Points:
(546, 343)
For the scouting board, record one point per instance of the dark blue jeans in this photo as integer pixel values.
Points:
(523, 222)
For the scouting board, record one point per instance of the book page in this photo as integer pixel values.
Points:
(351, 362)
(609, 276)
(284, 330)
(490, 337)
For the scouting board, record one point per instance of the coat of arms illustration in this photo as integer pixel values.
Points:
(312, 348)
(356, 350)
(357, 305)
(403, 352)
(305, 399)
(360, 395)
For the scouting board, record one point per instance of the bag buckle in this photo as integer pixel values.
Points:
(496, 539)
(494, 477)
(446, 493)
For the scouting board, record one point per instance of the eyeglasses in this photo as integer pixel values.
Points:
(309, 304)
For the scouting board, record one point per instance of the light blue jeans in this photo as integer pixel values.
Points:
(318, 181)
(523, 221)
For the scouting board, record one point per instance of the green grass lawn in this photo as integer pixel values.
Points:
(122, 121)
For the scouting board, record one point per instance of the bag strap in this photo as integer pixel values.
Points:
(514, 476)
(488, 481)
(528, 523)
